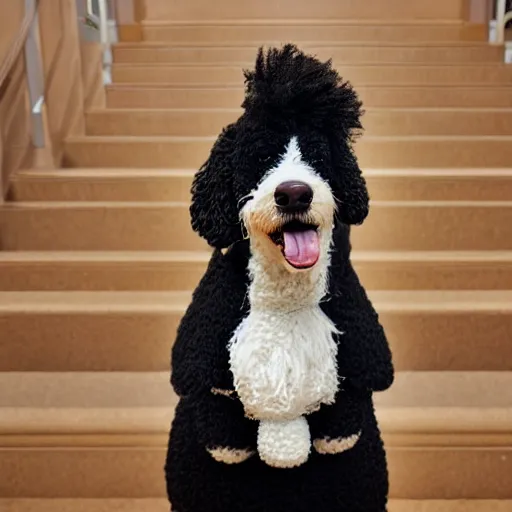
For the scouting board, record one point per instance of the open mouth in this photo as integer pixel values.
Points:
(299, 244)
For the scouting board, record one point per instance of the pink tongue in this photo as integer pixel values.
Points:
(301, 248)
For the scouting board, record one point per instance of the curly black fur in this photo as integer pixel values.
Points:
(290, 87)
(288, 94)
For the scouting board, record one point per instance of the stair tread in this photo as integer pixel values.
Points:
(162, 301)
(387, 64)
(415, 389)
(191, 86)
(302, 22)
(55, 205)
(95, 139)
(126, 110)
(162, 505)
(143, 403)
(84, 172)
(8, 257)
(145, 86)
(115, 256)
(304, 44)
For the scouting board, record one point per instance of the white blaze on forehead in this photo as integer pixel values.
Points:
(292, 167)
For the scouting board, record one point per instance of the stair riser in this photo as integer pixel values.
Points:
(138, 340)
(162, 505)
(389, 227)
(158, 188)
(358, 75)
(372, 153)
(138, 473)
(120, 96)
(262, 34)
(382, 122)
(122, 188)
(303, 9)
(347, 54)
(183, 275)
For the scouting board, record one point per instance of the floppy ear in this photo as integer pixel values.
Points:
(214, 208)
(349, 184)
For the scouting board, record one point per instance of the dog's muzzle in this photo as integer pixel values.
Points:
(298, 240)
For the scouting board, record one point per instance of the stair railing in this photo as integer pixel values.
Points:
(35, 76)
(503, 16)
(28, 39)
(100, 18)
(21, 97)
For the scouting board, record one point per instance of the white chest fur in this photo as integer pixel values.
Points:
(284, 364)
(283, 355)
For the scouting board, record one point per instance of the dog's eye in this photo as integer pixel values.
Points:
(242, 202)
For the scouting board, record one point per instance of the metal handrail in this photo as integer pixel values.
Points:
(102, 21)
(35, 76)
(502, 18)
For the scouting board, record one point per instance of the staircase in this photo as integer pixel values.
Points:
(98, 259)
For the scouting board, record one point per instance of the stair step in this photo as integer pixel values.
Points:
(118, 184)
(179, 270)
(358, 75)
(134, 330)
(162, 505)
(392, 225)
(302, 10)
(350, 52)
(283, 31)
(390, 122)
(104, 435)
(126, 505)
(376, 152)
(161, 96)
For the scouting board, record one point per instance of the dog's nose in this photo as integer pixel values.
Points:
(293, 196)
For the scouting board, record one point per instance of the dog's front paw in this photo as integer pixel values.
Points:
(284, 444)
(328, 446)
(230, 455)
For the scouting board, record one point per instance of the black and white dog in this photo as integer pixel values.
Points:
(279, 353)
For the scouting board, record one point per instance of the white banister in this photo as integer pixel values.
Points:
(502, 18)
(35, 77)
(101, 19)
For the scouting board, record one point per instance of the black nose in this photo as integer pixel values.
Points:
(293, 196)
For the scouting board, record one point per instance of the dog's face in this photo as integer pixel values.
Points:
(289, 214)
(285, 170)
(284, 191)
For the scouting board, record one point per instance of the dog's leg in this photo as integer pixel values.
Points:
(223, 429)
(337, 428)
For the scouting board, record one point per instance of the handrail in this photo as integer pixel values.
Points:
(502, 18)
(35, 77)
(28, 37)
(102, 21)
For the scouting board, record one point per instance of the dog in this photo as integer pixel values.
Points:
(280, 350)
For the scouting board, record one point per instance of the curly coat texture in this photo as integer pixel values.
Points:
(288, 95)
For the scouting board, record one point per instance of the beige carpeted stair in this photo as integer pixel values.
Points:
(159, 505)
(98, 259)
(104, 434)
